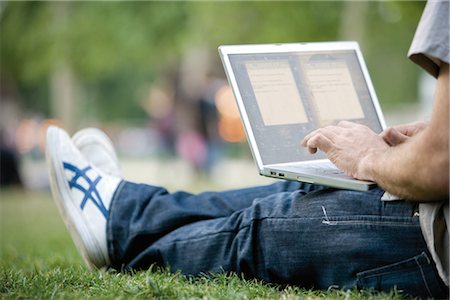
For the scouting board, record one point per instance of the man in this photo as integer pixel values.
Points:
(287, 232)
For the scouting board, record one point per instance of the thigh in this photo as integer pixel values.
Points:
(321, 239)
(141, 214)
(272, 232)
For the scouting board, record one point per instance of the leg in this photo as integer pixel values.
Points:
(321, 239)
(85, 174)
(304, 235)
(143, 213)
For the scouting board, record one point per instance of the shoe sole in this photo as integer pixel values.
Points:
(73, 218)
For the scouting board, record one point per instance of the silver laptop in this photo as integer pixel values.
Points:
(285, 91)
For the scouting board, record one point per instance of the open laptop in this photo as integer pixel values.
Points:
(285, 91)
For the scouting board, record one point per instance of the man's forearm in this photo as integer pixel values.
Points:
(418, 169)
(411, 171)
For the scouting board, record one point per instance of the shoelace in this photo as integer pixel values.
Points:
(89, 194)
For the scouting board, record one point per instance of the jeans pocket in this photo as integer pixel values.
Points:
(416, 276)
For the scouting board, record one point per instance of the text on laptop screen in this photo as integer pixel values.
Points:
(287, 95)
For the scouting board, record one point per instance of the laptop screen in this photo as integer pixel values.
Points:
(287, 95)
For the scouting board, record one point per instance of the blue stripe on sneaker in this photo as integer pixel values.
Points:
(88, 193)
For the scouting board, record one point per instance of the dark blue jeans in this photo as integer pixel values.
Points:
(287, 232)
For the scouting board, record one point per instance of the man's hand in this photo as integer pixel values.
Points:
(348, 145)
(409, 161)
(399, 134)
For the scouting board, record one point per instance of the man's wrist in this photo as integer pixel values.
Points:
(367, 166)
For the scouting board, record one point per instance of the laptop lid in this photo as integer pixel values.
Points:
(285, 91)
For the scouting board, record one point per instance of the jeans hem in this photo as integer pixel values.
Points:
(109, 223)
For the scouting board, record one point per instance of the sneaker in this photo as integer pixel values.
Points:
(98, 149)
(82, 194)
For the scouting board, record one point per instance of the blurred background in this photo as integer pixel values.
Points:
(149, 75)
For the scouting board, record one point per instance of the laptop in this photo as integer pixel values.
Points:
(285, 91)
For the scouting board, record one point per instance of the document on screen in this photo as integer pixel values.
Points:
(276, 92)
(333, 94)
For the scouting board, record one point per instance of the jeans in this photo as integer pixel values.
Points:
(287, 233)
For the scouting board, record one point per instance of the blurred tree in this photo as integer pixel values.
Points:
(100, 54)
(390, 30)
(52, 46)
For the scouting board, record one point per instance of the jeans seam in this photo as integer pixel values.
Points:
(367, 220)
(384, 270)
(421, 260)
(422, 273)
(331, 222)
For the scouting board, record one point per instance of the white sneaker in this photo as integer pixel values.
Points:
(82, 194)
(98, 150)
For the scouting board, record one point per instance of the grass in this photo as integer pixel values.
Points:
(38, 260)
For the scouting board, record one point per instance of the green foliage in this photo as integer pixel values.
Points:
(99, 39)
(264, 22)
(388, 37)
(115, 48)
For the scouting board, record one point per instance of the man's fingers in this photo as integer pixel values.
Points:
(410, 129)
(308, 137)
(319, 141)
(393, 137)
(329, 131)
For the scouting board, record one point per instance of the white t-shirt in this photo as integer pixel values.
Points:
(429, 48)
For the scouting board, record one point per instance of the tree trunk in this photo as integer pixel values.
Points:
(62, 80)
(62, 96)
(353, 21)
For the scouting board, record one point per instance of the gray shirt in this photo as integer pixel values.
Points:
(429, 49)
(431, 40)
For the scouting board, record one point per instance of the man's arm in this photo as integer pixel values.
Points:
(416, 168)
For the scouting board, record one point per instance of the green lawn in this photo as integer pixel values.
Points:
(38, 260)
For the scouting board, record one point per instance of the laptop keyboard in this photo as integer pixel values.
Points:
(325, 169)
(319, 168)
